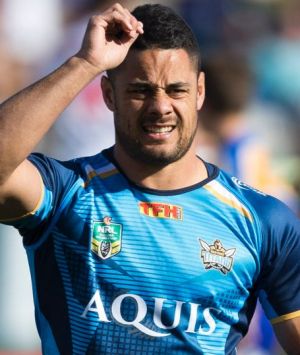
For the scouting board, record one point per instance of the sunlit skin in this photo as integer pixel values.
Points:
(155, 95)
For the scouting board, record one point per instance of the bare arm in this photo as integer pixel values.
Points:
(27, 116)
(288, 335)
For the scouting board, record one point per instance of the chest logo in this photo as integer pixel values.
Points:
(160, 210)
(106, 238)
(215, 256)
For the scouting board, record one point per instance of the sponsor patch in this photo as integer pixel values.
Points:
(215, 256)
(161, 210)
(106, 238)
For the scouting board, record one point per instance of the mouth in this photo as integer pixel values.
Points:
(158, 131)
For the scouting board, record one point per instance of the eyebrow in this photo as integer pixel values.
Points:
(179, 84)
(147, 84)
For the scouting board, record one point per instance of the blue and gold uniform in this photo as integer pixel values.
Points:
(120, 269)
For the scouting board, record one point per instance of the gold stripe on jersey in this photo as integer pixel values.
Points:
(285, 317)
(103, 172)
(222, 194)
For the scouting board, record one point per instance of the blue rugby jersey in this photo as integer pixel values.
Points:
(120, 269)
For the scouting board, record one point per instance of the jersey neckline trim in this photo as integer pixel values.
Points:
(212, 173)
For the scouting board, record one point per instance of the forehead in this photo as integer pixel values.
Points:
(157, 66)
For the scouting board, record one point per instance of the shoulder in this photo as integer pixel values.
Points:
(278, 228)
(271, 213)
(54, 170)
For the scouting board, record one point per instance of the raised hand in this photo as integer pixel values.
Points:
(108, 38)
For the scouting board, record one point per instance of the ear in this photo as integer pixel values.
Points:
(200, 90)
(108, 93)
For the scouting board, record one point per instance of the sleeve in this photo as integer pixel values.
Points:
(279, 282)
(57, 179)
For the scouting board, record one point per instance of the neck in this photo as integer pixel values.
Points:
(187, 171)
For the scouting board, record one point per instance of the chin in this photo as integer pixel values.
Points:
(157, 156)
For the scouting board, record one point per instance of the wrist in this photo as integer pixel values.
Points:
(88, 68)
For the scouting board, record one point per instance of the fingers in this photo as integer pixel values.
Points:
(118, 16)
(108, 38)
(136, 25)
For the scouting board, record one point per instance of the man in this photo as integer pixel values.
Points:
(143, 248)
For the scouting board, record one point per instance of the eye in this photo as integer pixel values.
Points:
(177, 92)
(139, 92)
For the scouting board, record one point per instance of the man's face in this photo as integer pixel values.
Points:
(155, 96)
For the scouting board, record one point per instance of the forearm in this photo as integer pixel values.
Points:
(27, 116)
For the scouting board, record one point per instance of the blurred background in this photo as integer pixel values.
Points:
(250, 123)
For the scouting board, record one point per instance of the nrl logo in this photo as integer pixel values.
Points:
(106, 238)
(215, 256)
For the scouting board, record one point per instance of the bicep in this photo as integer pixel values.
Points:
(288, 335)
(21, 193)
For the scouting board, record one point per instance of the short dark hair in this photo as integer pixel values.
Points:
(165, 29)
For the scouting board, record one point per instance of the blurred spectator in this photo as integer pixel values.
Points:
(276, 66)
(227, 116)
(276, 63)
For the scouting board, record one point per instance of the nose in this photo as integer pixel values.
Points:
(160, 104)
